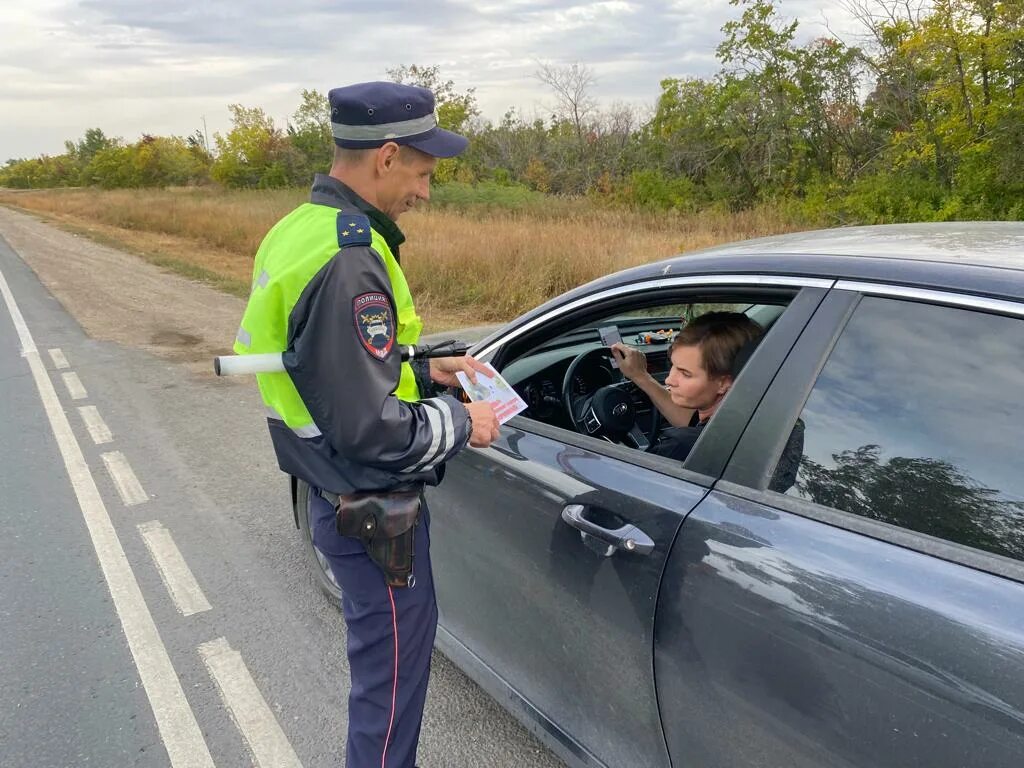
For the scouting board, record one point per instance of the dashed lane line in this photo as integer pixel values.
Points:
(127, 484)
(98, 429)
(259, 727)
(59, 361)
(175, 720)
(185, 592)
(74, 385)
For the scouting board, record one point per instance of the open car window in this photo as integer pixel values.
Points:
(566, 361)
(650, 329)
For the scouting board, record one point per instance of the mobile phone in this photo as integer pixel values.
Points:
(610, 335)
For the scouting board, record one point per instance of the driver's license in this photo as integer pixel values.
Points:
(493, 388)
(610, 335)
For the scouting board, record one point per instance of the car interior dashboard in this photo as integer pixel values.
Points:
(538, 378)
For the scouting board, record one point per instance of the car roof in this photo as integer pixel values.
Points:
(982, 243)
(984, 258)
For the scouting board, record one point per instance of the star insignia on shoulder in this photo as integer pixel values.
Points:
(345, 233)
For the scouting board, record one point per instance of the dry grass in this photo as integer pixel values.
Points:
(463, 267)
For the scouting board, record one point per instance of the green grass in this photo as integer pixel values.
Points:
(491, 197)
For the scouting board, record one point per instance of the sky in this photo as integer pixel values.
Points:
(136, 66)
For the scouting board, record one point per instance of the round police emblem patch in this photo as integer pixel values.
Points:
(375, 323)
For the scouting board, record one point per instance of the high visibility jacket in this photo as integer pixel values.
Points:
(328, 292)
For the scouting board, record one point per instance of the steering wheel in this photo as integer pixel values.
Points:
(609, 412)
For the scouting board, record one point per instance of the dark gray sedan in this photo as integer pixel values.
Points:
(835, 574)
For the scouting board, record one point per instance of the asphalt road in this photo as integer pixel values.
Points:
(156, 608)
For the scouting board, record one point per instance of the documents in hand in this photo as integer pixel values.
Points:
(494, 389)
(610, 335)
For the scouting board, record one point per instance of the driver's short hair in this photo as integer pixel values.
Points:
(720, 335)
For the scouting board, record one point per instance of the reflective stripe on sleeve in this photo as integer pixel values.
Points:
(244, 337)
(434, 421)
(448, 429)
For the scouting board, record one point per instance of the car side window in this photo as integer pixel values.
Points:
(916, 420)
(538, 372)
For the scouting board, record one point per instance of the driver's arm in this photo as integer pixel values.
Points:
(633, 364)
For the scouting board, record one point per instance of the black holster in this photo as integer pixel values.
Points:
(386, 524)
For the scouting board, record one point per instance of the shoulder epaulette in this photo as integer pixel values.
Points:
(353, 229)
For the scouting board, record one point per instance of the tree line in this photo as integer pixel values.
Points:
(922, 119)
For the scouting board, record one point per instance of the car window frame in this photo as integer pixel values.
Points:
(709, 455)
(758, 450)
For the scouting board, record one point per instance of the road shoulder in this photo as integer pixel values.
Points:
(118, 297)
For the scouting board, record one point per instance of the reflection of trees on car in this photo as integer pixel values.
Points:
(789, 462)
(928, 495)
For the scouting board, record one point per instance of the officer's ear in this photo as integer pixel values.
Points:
(387, 157)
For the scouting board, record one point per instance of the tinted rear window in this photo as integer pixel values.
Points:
(917, 419)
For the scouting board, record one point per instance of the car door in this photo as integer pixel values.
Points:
(852, 592)
(533, 593)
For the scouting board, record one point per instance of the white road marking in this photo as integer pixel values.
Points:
(98, 429)
(179, 731)
(269, 745)
(59, 361)
(74, 385)
(184, 589)
(128, 486)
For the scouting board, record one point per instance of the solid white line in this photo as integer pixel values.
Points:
(179, 731)
(124, 479)
(74, 385)
(98, 429)
(248, 709)
(184, 589)
(59, 361)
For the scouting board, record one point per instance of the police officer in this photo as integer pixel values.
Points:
(347, 415)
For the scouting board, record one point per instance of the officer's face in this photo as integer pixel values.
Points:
(404, 180)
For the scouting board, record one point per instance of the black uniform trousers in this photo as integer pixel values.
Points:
(390, 638)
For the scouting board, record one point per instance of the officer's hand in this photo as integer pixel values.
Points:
(485, 424)
(632, 362)
(443, 369)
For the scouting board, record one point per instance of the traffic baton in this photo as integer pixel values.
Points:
(272, 362)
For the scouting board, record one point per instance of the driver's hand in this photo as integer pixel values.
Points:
(632, 362)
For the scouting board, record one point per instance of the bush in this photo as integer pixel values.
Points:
(886, 198)
(40, 172)
(150, 162)
(487, 195)
(654, 190)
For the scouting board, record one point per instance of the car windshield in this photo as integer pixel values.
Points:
(661, 322)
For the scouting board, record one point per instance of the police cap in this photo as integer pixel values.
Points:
(367, 115)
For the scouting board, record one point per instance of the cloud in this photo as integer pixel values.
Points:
(130, 66)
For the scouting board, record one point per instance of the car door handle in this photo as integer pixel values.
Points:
(628, 538)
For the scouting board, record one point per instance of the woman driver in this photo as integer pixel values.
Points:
(702, 356)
